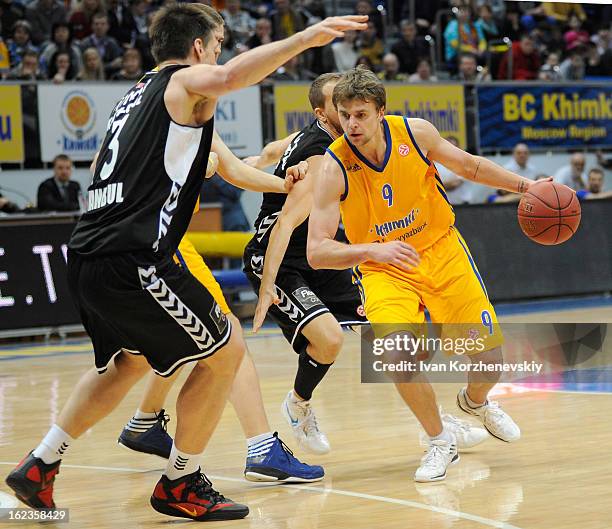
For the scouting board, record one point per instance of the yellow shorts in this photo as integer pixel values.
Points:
(189, 258)
(446, 282)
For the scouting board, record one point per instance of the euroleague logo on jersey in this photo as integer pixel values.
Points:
(403, 149)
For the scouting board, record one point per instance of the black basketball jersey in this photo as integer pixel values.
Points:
(310, 141)
(148, 175)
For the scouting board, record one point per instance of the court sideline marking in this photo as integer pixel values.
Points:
(406, 503)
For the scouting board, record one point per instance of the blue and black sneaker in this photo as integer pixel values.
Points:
(151, 440)
(281, 466)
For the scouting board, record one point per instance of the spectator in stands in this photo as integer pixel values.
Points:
(365, 62)
(423, 73)
(27, 69)
(391, 69)
(115, 12)
(61, 40)
(370, 46)
(293, 70)
(81, 18)
(410, 48)
(560, 12)
(286, 20)
(6, 206)
(262, 35)
(240, 22)
(107, 47)
(597, 65)
(572, 175)
(5, 62)
(511, 25)
(550, 69)
(61, 68)
(131, 66)
(458, 191)
(486, 23)
(345, 52)
(497, 8)
(603, 40)
(525, 60)
(606, 164)
(134, 23)
(536, 16)
(576, 35)
(573, 68)
(42, 14)
(462, 36)
(365, 7)
(519, 163)
(594, 188)
(59, 193)
(468, 70)
(10, 12)
(92, 69)
(20, 43)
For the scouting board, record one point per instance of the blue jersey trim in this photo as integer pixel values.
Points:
(346, 186)
(416, 145)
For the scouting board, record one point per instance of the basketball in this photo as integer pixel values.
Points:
(549, 213)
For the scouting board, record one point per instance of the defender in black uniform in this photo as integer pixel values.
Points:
(131, 295)
(306, 301)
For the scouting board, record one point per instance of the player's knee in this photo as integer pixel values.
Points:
(329, 348)
(226, 361)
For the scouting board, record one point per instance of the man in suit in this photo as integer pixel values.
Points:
(59, 193)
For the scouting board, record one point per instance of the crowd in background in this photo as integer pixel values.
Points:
(95, 40)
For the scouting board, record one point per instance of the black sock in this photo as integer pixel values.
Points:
(309, 374)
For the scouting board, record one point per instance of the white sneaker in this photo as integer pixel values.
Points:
(494, 419)
(434, 463)
(303, 422)
(468, 435)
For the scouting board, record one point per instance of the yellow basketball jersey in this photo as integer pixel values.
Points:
(403, 199)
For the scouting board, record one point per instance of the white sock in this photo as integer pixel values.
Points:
(180, 463)
(141, 421)
(260, 444)
(445, 435)
(294, 399)
(54, 445)
(470, 402)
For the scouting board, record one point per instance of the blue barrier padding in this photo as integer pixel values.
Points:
(231, 278)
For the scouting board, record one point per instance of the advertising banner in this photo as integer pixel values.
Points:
(11, 124)
(545, 116)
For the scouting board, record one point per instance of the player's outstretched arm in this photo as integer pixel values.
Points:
(271, 153)
(475, 168)
(295, 211)
(253, 66)
(239, 174)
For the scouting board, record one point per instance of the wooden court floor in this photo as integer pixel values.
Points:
(558, 476)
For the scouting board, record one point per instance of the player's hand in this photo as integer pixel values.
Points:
(396, 253)
(333, 27)
(267, 298)
(294, 174)
(211, 166)
(252, 161)
(531, 182)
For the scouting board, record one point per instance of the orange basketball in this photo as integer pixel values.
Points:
(549, 213)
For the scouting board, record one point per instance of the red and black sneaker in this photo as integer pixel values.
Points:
(192, 496)
(32, 480)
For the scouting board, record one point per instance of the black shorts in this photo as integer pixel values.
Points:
(147, 305)
(305, 293)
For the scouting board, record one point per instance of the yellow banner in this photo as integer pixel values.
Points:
(11, 124)
(442, 105)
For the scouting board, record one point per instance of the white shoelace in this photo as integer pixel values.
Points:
(308, 421)
(494, 412)
(458, 423)
(430, 459)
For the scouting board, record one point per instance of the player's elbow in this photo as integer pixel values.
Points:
(313, 255)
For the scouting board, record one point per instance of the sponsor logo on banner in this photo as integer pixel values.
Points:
(545, 116)
(78, 114)
(11, 124)
(238, 121)
(73, 118)
(442, 105)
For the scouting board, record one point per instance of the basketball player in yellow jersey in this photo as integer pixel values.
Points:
(380, 176)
